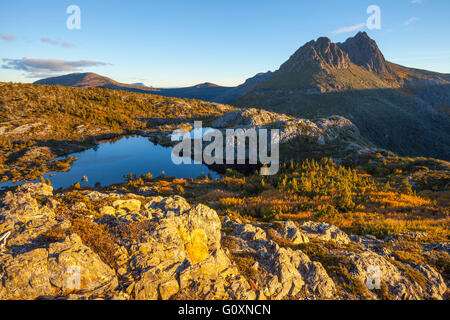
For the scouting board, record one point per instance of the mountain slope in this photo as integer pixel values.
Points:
(237, 92)
(204, 91)
(396, 107)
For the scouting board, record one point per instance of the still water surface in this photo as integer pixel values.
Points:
(110, 161)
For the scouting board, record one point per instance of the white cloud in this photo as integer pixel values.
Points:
(349, 29)
(410, 21)
(416, 1)
(61, 43)
(36, 67)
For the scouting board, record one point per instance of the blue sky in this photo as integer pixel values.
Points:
(171, 43)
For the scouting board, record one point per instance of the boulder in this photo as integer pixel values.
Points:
(130, 205)
(65, 267)
(290, 232)
(325, 232)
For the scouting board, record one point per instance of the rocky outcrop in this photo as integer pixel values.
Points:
(283, 273)
(325, 232)
(175, 250)
(59, 270)
(248, 118)
(290, 232)
(322, 131)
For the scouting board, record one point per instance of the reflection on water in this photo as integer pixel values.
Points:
(110, 161)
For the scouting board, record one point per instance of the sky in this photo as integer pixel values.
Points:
(175, 43)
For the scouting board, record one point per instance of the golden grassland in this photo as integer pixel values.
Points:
(351, 199)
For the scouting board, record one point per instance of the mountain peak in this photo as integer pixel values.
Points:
(364, 52)
(362, 35)
(206, 85)
(322, 54)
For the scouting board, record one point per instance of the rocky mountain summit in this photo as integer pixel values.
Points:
(168, 249)
(322, 54)
(364, 52)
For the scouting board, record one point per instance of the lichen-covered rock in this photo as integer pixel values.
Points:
(63, 268)
(24, 218)
(73, 266)
(399, 283)
(130, 205)
(107, 210)
(185, 245)
(325, 232)
(249, 232)
(248, 117)
(290, 232)
(436, 287)
(159, 207)
(25, 276)
(285, 273)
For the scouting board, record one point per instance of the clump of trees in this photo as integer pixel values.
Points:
(325, 178)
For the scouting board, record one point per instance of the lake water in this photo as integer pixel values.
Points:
(110, 161)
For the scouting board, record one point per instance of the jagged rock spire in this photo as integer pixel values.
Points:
(364, 52)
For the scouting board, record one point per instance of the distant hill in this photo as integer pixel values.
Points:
(398, 108)
(89, 79)
(140, 84)
(204, 91)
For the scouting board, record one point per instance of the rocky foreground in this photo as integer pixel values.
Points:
(168, 249)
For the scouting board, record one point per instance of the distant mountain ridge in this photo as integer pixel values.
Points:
(203, 91)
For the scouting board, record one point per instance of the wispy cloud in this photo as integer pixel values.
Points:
(55, 42)
(410, 21)
(6, 37)
(416, 1)
(349, 29)
(35, 68)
